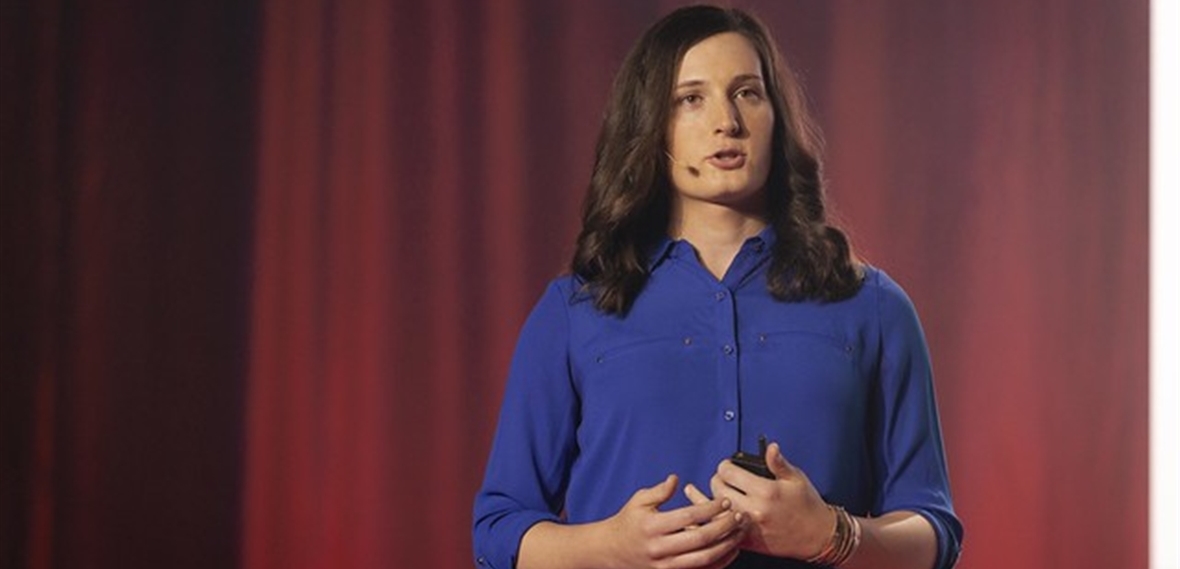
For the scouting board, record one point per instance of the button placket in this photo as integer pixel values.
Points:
(727, 361)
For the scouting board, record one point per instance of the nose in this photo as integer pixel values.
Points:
(728, 119)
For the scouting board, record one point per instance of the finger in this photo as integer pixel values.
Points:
(653, 496)
(778, 463)
(723, 491)
(694, 495)
(705, 544)
(737, 477)
(688, 516)
(718, 487)
(717, 555)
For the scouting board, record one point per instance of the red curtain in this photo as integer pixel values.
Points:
(263, 265)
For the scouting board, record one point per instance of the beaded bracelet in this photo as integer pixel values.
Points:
(843, 543)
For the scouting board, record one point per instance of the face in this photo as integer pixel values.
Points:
(721, 124)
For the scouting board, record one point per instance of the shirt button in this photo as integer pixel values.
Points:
(729, 415)
(728, 349)
(688, 340)
(719, 296)
(482, 561)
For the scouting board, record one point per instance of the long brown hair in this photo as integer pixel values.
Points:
(626, 211)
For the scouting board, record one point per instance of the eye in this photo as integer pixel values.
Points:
(691, 99)
(749, 93)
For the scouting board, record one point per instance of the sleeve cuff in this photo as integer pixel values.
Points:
(498, 542)
(949, 534)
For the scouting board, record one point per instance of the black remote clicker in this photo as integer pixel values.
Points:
(755, 463)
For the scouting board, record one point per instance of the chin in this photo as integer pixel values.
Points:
(736, 191)
(737, 198)
(727, 192)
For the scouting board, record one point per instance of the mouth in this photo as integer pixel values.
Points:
(727, 159)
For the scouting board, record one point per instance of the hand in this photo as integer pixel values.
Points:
(788, 518)
(704, 535)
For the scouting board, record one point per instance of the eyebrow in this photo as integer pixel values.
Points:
(739, 79)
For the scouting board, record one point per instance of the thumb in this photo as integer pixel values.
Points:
(778, 463)
(655, 495)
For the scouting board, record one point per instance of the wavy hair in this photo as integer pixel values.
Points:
(627, 207)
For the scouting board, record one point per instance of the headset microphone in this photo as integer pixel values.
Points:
(691, 170)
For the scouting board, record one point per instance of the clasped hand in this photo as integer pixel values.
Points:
(703, 535)
(783, 517)
(787, 517)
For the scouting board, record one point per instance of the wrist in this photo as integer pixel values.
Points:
(555, 545)
(822, 532)
(602, 541)
(842, 541)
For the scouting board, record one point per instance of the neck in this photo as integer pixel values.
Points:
(716, 231)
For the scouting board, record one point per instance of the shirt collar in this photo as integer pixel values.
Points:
(764, 239)
(763, 242)
(660, 252)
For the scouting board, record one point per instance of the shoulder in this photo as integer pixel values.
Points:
(891, 302)
(564, 289)
(552, 306)
(547, 326)
(896, 316)
(882, 288)
(562, 295)
(877, 281)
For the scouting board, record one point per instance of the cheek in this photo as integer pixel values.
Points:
(765, 129)
(685, 142)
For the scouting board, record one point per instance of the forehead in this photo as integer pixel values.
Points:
(719, 58)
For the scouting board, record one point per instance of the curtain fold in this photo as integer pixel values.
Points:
(126, 163)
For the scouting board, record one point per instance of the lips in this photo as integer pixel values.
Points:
(727, 159)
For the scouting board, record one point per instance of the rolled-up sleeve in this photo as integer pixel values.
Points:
(528, 467)
(911, 461)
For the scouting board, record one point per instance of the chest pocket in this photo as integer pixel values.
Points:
(802, 367)
(648, 383)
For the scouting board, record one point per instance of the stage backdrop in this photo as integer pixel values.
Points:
(263, 265)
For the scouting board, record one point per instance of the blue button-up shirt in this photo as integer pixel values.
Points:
(598, 405)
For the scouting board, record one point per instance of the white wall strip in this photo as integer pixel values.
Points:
(1165, 285)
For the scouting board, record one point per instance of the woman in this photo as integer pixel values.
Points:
(709, 304)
